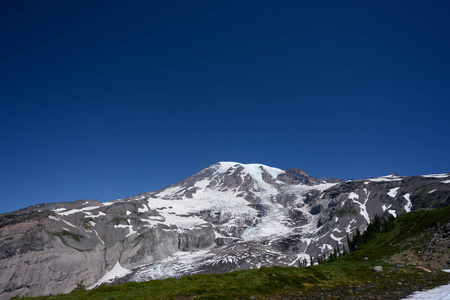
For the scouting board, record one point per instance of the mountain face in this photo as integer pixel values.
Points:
(227, 217)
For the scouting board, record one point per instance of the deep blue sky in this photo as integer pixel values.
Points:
(108, 99)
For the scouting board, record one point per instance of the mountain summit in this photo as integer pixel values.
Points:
(228, 216)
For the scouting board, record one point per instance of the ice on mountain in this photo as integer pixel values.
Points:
(115, 272)
(90, 215)
(177, 265)
(255, 170)
(320, 187)
(247, 205)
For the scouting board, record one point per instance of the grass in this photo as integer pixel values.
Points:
(350, 276)
(339, 278)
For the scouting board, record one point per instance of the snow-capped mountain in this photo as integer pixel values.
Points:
(228, 216)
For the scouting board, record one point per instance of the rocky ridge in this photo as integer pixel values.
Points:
(228, 216)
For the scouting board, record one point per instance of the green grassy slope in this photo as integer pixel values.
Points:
(412, 231)
(349, 277)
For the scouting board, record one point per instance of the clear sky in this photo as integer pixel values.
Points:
(109, 99)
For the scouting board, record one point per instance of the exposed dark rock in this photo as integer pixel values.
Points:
(316, 209)
(285, 199)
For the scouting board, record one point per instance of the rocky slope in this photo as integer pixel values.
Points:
(228, 216)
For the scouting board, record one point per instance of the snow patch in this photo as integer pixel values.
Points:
(96, 233)
(408, 204)
(353, 196)
(62, 220)
(362, 206)
(393, 212)
(432, 191)
(385, 207)
(336, 238)
(143, 210)
(446, 181)
(348, 229)
(439, 293)
(68, 223)
(325, 247)
(131, 232)
(393, 192)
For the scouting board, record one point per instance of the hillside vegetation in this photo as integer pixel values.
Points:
(351, 276)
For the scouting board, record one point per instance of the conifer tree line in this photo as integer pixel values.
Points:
(375, 226)
(354, 242)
